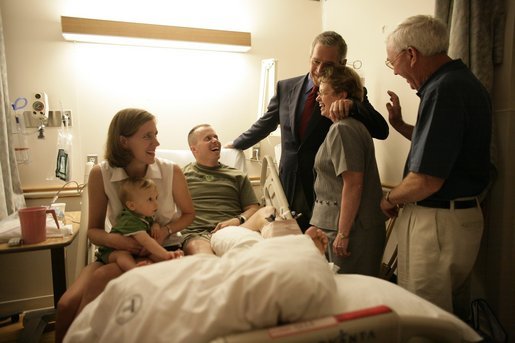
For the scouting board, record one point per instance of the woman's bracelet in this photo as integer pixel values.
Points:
(342, 235)
(170, 231)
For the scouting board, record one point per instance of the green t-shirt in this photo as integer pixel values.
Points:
(218, 193)
(127, 223)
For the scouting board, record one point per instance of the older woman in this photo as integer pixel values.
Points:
(347, 186)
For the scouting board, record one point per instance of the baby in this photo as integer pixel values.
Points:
(139, 197)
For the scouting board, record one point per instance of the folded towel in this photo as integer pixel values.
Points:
(10, 228)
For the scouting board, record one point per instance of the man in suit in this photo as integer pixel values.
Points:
(299, 147)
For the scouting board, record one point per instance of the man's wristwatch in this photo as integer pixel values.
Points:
(241, 218)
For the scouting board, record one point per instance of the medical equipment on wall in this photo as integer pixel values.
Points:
(21, 147)
(64, 148)
(40, 111)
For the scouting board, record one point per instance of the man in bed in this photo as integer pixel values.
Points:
(222, 196)
(303, 128)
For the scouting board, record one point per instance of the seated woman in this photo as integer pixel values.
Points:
(347, 186)
(130, 152)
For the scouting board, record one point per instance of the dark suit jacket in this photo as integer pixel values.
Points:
(298, 156)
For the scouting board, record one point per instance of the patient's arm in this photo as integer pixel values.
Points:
(248, 212)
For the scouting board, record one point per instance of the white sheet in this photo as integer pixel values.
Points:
(255, 284)
(199, 298)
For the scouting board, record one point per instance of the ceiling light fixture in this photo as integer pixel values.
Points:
(129, 33)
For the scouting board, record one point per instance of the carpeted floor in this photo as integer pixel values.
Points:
(10, 332)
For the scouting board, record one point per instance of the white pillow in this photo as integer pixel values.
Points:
(198, 298)
(231, 239)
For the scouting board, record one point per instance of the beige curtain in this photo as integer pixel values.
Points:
(476, 33)
(11, 194)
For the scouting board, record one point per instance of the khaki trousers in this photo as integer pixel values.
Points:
(437, 249)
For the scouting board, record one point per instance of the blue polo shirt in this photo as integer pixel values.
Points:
(451, 139)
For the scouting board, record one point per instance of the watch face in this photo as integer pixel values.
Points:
(38, 106)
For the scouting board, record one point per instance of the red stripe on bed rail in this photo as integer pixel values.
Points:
(366, 312)
(326, 322)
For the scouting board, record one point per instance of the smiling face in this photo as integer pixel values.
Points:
(326, 96)
(143, 143)
(400, 63)
(205, 146)
(322, 56)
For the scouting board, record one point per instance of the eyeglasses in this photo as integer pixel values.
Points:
(389, 63)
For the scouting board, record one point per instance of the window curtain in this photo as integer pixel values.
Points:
(476, 35)
(476, 30)
(11, 193)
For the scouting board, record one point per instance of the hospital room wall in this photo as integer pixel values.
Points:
(181, 87)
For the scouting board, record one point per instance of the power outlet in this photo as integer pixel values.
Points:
(92, 158)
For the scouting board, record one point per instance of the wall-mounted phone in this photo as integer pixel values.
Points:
(40, 106)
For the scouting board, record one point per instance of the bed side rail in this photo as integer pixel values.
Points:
(272, 188)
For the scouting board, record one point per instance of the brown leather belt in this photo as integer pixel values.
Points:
(458, 204)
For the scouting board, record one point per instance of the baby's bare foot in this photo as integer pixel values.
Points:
(319, 238)
(175, 254)
(143, 263)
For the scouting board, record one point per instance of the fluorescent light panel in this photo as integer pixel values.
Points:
(126, 33)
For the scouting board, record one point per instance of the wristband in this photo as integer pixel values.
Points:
(170, 231)
(241, 218)
(342, 235)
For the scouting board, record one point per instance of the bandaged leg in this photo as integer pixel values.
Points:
(232, 239)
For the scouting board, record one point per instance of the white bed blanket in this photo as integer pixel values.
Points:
(198, 298)
(255, 284)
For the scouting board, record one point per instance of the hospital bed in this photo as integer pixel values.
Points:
(184, 298)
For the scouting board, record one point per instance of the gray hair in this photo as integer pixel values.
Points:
(331, 38)
(423, 32)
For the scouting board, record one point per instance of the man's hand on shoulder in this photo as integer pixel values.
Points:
(340, 109)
